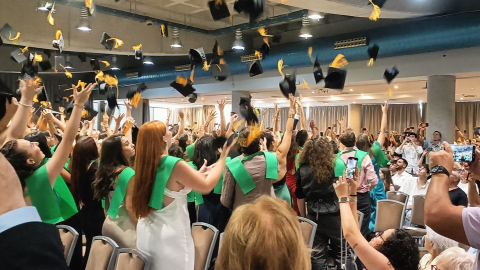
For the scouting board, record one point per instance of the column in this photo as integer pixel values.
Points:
(137, 113)
(236, 95)
(441, 106)
(354, 120)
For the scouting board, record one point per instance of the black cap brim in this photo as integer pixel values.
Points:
(254, 68)
(184, 90)
(218, 11)
(373, 52)
(220, 72)
(390, 74)
(246, 111)
(196, 56)
(107, 44)
(288, 85)
(336, 78)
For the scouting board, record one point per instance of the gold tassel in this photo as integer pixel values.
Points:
(375, 13)
(137, 47)
(259, 55)
(84, 114)
(106, 63)
(191, 74)
(111, 80)
(222, 62)
(58, 34)
(265, 39)
(370, 63)
(181, 80)
(136, 99)
(24, 50)
(304, 84)
(218, 2)
(163, 30)
(50, 18)
(255, 132)
(66, 99)
(99, 76)
(219, 50)
(263, 32)
(67, 73)
(310, 51)
(35, 99)
(389, 92)
(14, 39)
(88, 3)
(281, 67)
(118, 42)
(38, 58)
(339, 61)
(231, 18)
(206, 66)
(219, 68)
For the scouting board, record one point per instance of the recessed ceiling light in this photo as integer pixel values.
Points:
(421, 101)
(182, 99)
(331, 95)
(203, 98)
(354, 102)
(313, 92)
(163, 99)
(362, 94)
(461, 98)
(351, 89)
(384, 101)
(396, 86)
(225, 97)
(472, 88)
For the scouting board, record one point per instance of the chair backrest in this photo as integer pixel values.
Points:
(220, 241)
(204, 242)
(309, 228)
(397, 187)
(103, 254)
(390, 215)
(360, 218)
(131, 259)
(397, 196)
(418, 216)
(69, 237)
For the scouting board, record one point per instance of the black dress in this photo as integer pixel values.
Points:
(92, 214)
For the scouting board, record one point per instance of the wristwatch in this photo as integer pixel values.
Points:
(343, 200)
(439, 169)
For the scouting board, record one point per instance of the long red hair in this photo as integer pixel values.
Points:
(150, 148)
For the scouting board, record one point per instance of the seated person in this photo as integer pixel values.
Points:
(455, 258)
(401, 175)
(435, 244)
(457, 195)
(416, 186)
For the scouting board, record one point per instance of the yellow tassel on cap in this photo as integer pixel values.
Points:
(14, 39)
(66, 99)
(281, 67)
(304, 84)
(310, 51)
(237, 124)
(106, 63)
(370, 63)
(263, 32)
(84, 114)
(265, 40)
(255, 132)
(35, 99)
(206, 66)
(222, 62)
(137, 47)
(24, 50)
(58, 34)
(99, 76)
(339, 61)
(118, 42)
(67, 73)
(181, 80)
(163, 30)
(218, 2)
(38, 58)
(136, 99)
(50, 18)
(389, 92)
(259, 55)
(375, 13)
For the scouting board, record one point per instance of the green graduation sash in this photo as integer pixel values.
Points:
(380, 157)
(164, 170)
(242, 176)
(195, 196)
(297, 164)
(340, 165)
(190, 149)
(120, 191)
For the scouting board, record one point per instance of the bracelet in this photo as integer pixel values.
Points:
(78, 105)
(24, 105)
(353, 195)
(292, 115)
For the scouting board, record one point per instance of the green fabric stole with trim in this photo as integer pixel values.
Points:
(119, 192)
(242, 176)
(164, 170)
(55, 204)
(340, 165)
(297, 164)
(190, 149)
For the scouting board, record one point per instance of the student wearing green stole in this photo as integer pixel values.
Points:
(43, 188)
(160, 198)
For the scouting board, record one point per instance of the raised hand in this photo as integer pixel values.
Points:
(385, 107)
(119, 118)
(221, 104)
(292, 101)
(82, 96)
(181, 114)
(29, 88)
(61, 109)
(128, 104)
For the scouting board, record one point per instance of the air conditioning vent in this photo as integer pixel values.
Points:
(132, 75)
(350, 43)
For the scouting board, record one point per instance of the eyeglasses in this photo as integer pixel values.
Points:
(379, 234)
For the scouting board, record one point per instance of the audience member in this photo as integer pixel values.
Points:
(435, 244)
(455, 258)
(435, 144)
(401, 176)
(457, 195)
(416, 185)
(386, 177)
(410, 151)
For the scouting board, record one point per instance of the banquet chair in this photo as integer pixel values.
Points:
(397, 196)
(390, 215)
(309, 228)
(103, 254)
(417, 218)
(204, 241)
(131, 259)
(69, 237)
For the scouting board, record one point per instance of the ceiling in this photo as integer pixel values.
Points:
(406, 90)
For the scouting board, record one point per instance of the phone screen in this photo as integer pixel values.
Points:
(351, 166)
(463, 153)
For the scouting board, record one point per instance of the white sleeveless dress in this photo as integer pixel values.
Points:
(165, 236)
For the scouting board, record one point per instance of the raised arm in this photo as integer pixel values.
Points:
(223, 124)
(10, 109)
(232, 128)
(56, 163)
(90, 126)
(181, 117)
(420, 160)
(383, 126)
(28, 89)
(343, 124)
(128, 134)
(473, 196)
(209, 119)
(303, 120)
(169, 113)
(282, 150)
(275, 120)
(51, 127)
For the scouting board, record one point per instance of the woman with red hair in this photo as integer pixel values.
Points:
(161, 186)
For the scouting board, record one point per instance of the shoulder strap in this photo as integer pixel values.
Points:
(120, 191)
(164, 170)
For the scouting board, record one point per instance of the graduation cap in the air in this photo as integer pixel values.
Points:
(30, 68)
(196, 56)
(107, 41)
(372, 54)
(265, 50)
(220, 72)
(18, 56)
(10, 34)
(88, 113)
(45, 65)
(138, 52)
(112, 98)
(218, 9)
(390, 74)
(59, 62)
(254, 68)
(317, 71)
(254, 8)
(95, 64)
(288, 85)
(82, 57)
(183, 86)
(48, 53)
(379, 3)
(42, 95)
(135, 94)
(336, 78)
(92, 10)
(246, 110)
(58, 42)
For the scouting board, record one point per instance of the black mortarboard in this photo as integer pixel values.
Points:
(59, 43)
(196, 56)
(184, 89)
(288, 86)
(215, 50)
(135, 94)
(390, 74)
(59, 62)
(220, 72)
(379, 3)
(92, 11)
(45, 65)
(265, 49)
(252, 7)
(139, 54)
(103, 88)
(112, 98)
(246, 110)
(95, 64)
(254, 68)
(18, 56)
(88, 113)
(277, 38)
(108, 44)
(8, 32)
(29, 68)
(218, 11)
(335, 78)
(82, 57)
(192, 98)
(48, 53)
(317, 71)
(373, 52)
(42, 95)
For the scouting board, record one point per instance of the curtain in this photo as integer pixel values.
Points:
(467, 117)
(400, 116)
(146, 111)
(327, 116)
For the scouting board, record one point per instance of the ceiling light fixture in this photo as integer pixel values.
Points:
(44, 5)
(396, 86)
(176, 43)
(68, 63)
(84, 24)
(314, 15)
(305, 31)
(114, 64)
(461, 98)
(148, 60)
(238, 44)
(351, 90)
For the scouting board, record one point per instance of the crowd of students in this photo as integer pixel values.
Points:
(247, 180)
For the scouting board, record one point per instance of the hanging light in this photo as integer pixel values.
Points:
(305, 31)
(44, 5)
(238, 44)
(114, 65)
(176, 43)
(314, 15)
(68, 63)
(84, 24)
(148, 60)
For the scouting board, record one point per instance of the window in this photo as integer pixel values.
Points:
(157, 113)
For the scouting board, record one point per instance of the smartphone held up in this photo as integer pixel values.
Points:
(351, 167)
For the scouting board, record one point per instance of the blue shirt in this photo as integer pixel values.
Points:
(18, 216)
(430, 146)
